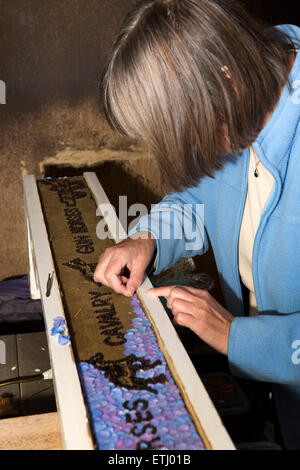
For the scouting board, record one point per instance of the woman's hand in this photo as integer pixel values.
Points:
(134, 253)
(199, 311)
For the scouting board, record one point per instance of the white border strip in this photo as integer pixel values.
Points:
(33, 284)
(75, 428)
(196, 396)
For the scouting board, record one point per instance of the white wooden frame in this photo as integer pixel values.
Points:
(76, 434)
(75, 427)
(33, 278)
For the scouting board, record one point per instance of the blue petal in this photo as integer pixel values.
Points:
(56, 330)
(63, 340)
(59, 321)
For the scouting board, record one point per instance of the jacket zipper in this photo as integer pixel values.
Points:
(271, 204)
(237, 233)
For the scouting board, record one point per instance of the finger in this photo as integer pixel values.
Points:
(101, 267)
(182, 306)
(113, 277)
(197, 292)
(160, 291)
(124, 279)
(167, 291)
(184, 319)
(170, 293)
(135, 279)
(116, 283)
(179, 292)
(189, 294)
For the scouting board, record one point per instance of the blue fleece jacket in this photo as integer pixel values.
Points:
(267, 347)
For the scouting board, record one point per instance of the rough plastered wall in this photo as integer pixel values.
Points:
(51, 56)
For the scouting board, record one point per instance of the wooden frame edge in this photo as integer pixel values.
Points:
(76, 433)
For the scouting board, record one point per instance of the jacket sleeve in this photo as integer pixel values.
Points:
(177, 223)
(266, 348)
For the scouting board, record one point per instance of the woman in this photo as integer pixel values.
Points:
(214, 95)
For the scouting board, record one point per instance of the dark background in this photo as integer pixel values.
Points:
(51, 56)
